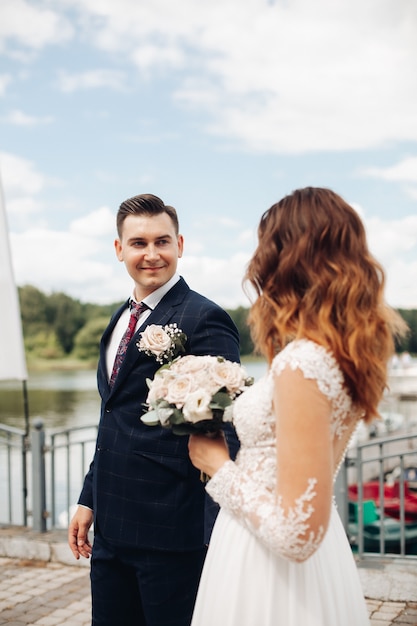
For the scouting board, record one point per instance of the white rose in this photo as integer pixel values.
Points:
(229, 375)
(190, 364)
(200, 368)
(196, 407)
(159, 386)
(179, 388)
(202, 380)
(155, 339)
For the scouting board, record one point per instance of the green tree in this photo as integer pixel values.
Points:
(240, 318)
(87, 340)
(66, 316)
(58, 325)
(33, 310)
(43, 344)
(409, 343)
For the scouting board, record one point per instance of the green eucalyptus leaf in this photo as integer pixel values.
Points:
(220, 400)
(150, 418)
(177, 417)
(163, 404)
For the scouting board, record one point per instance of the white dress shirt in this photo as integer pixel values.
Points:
(151, 301)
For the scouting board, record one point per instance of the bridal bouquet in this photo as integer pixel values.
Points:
(194, 394)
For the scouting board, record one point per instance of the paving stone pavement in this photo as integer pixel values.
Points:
(392, 613)
(42, 593)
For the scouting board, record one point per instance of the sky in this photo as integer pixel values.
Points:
(219, 107)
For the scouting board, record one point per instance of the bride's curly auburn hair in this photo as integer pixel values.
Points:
(315, 278)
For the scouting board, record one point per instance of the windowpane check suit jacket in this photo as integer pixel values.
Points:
(141, 485)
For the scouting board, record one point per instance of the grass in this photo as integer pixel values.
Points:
(36, 364)
(70, 363)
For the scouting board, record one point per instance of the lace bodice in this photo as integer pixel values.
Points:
(280, 485)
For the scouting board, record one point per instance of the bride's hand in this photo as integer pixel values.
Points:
(208, 454)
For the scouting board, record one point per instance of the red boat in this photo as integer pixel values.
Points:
(391, 500)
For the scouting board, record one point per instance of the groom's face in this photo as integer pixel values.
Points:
(150, 248)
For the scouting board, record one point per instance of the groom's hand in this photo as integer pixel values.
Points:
(78, 532)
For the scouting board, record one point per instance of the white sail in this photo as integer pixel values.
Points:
(12, 352)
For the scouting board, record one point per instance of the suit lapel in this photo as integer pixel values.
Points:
(102, 366)
(161, 315)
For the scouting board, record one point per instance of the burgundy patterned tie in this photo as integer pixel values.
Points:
(135, 310)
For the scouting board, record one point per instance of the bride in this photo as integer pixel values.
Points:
(279, 554)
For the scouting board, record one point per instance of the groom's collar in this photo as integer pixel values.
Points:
(156, 296)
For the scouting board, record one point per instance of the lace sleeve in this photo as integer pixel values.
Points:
(285, 533)
(291, 518)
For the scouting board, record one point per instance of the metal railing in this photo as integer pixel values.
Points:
(54, 464)
(71, 452)
(379, 484)
(13, 475)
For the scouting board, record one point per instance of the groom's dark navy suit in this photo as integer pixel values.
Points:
(145, 494)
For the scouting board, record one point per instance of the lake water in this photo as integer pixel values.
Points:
(64, 399)
(69, 399)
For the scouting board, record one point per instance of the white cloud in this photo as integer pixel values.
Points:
(401, 289)
(286, 77)
(92, 79)
(21, 182)
(66, 261)
(227, 222)
(278, 77)
(19, 118)
(71, 261)
(411, 192)
(218, 279)
(31, 26)
(394, 244)
(151, 56)
(99, 222)
(4, 81)
(405, 170)
(390, 239)
(274, 77)
(246, 237)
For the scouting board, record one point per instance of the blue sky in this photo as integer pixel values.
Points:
(220, 107)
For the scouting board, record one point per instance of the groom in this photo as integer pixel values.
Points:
(144, 496)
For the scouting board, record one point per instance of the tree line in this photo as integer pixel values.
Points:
(56, 326)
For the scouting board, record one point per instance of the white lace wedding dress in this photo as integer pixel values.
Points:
(269, 566)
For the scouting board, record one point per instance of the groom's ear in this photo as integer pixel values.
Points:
(180, 241)
(118, 249)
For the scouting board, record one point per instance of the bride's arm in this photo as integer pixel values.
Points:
(292, 520)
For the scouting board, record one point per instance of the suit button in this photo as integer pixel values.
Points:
(108, 409)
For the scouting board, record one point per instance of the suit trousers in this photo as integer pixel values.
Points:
(140, 587)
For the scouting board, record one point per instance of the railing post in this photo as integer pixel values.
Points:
(340, 494)
(38, 477)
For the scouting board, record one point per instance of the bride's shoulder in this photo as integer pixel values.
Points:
(313, 359)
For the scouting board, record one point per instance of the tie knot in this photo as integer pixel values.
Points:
(136, 308)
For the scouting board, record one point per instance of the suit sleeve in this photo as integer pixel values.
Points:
(215, 334)
(86, 495)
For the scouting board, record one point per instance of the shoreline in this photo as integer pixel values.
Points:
(71, 363)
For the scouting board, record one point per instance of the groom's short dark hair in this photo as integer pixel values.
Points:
(145, 204)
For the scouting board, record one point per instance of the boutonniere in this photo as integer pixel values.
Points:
(162, 342)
